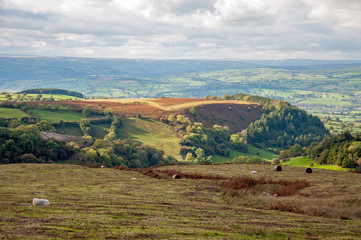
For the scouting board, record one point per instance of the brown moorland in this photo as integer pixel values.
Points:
(235, 114)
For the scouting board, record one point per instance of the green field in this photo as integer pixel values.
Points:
(253, 151)
(305, 162)
(96, 203)
(12, 113)
(55, 116)
(152, 133)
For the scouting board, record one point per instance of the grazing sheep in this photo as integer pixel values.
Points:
(40, 202)
(308, 170)
(254, 172)
(278, 168)
(176, 176)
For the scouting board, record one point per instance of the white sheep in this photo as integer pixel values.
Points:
(41, 202)
(254, 172)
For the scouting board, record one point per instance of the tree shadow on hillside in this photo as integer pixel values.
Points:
(129, 131)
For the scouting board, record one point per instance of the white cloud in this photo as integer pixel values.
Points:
(207, 45)
(182, 28)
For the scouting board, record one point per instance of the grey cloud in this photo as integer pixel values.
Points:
(184, 7)
(12, 18)
(180, 28)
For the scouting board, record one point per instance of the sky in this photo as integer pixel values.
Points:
(183, 29)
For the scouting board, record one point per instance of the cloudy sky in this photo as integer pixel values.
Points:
(236, 29)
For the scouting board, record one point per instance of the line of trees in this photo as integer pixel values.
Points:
(52, 91)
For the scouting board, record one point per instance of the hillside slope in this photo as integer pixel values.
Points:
(236, 116)
(98, 203)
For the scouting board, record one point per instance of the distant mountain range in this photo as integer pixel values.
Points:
(32, 67)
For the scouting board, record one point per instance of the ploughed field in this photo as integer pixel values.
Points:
(101, 203)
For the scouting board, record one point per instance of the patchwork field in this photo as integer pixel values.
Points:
(108, 203)
(12, 113)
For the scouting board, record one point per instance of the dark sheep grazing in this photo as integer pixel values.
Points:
(278, 168)
(176, 176)
(308, 170)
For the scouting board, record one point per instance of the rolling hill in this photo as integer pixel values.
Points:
(184, 129)
(324, 88)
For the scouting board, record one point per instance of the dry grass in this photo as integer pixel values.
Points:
(103, 203)
(323, 193)
(289, 187)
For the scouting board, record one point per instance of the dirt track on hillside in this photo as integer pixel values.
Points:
(170, 104)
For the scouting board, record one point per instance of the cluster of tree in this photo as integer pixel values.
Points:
(294, 151)
(343, 150)
(52, 91)
(284, 125)
(198, 143)
(245, 159)
(128, 153)
(30, 120)
(25, 144)
(9, 122)
(252, 98)
(14, 123)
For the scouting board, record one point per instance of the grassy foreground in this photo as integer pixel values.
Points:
(108, 203)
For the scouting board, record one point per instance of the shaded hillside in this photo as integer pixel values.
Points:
(236, 116)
